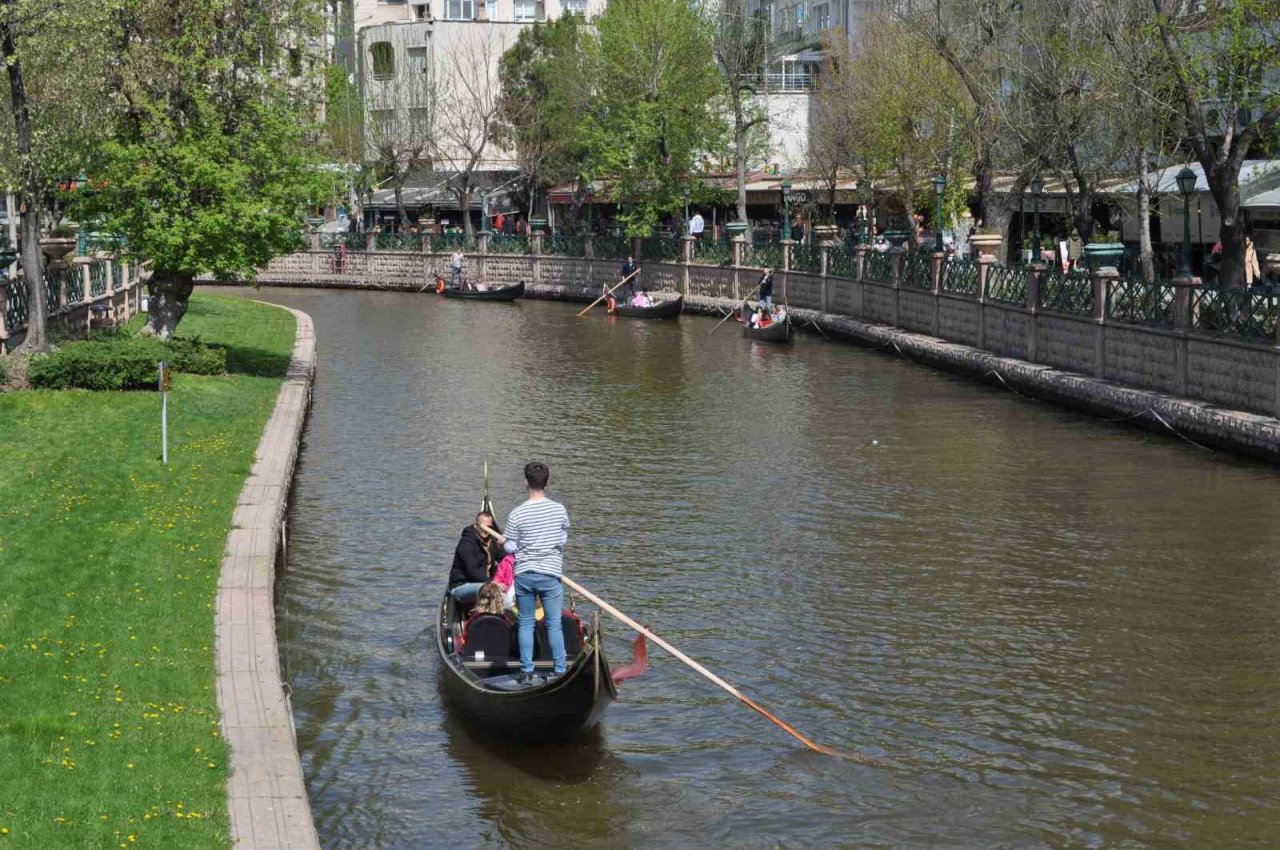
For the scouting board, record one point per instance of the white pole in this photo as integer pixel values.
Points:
(164, 427)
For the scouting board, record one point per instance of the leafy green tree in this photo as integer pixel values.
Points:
(545, 96)
(54, 111)
(211, 168)
(742, 53)
(655, 115)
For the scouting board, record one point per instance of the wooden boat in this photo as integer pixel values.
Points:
(669, 309)
(775, 332)
(504, 293)
(482, 682)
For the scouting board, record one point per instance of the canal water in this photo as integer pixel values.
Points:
(1034, 628)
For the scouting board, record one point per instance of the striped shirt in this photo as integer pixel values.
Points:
(536, 532)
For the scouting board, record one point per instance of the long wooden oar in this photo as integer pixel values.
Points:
(746, 700)
(610, 292)
(745, 299)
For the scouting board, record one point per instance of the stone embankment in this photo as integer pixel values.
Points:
(267, 797)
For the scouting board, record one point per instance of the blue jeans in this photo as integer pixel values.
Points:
(457, 278)
(465, 593)
(531, 586)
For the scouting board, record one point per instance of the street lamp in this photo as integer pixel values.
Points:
(685, 191)
(939, 186)
(868, 198)
(484, 211)
(587, 189)
(1037, 187)
(786, 210)
(1187, 186)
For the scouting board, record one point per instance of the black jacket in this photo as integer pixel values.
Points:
(470, 561)
(627, 269)
(766, 286)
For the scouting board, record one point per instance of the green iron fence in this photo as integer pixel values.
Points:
(842, 262)
(713, 252)
(97, 279)
(503, 244)
(15, 303)
(765, 255)
(1235, 312)
(878, 266)
(397, 242)
(1008, 284)
(54, 280)
(960, 277)
(916, 271)
(1141, 303)
(566, 245)
(449, 242)
(806, 258)
(660, 248)
(1066, 293)
(611, 247)
(75, 285)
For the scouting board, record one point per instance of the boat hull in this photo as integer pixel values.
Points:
(669, 309)
(506, 293)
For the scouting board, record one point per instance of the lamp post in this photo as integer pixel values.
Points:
(586, 199)
(939, 187)
(484, 211)
(1187, 186)
(1037, 187)
(868, 198)
(684, 190)
(786, 209)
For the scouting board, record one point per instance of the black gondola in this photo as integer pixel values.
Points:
(505, 293)
(668, 309)
(774, 332)
(479, 677)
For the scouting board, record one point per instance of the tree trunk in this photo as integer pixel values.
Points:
(1145, 254)
(1224, 185)
(401, 213)
(170, 292)
(32, 259)
(468, 231)
(740, 160)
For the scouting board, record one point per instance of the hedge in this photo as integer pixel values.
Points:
(122, 363)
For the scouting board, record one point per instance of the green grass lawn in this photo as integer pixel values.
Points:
(109, 732)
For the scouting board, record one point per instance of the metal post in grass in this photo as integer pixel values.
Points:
(163, 386)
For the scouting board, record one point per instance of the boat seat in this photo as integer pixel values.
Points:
(491, 635)
(573, 634)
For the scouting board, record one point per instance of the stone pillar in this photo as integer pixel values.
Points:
(1183, 288)
(861, 267)
(313, 240)
(86, 289)
(1034, 276)
(938, 261)
(824, 257)
(636, 244)
(370, 240)
(686, 257)
(588, 246)
(787, 245)
(482, 241)
(426, 243)
(1102, 279)
(739, 242)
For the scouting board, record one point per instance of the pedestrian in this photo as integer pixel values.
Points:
(500, 223)
(537, 531)
(627, 273)
(696, 225)
(455, 263)
(1252, 271)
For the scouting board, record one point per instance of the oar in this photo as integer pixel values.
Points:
(746, 700)
(745, 299)
(610, 292)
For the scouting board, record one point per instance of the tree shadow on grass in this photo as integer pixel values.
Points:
(246, 360)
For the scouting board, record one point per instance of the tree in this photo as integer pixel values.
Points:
(1226, 70)
(57, 106)
(741, 45)
(210, 170)
(654, 117)
(400, 131)
(545, 95)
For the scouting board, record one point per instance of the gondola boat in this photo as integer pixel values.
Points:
(774, 332)
(479, 661)
(668, 309)
(505, 293)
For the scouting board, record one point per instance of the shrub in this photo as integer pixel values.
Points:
(122, 362)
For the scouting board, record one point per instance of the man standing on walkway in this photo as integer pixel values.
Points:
(696, 226)
(537, 530)
(455, 263)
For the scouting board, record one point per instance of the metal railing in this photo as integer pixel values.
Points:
(1066, 293)
(1008, 284)
(917, 271)
(1138, 302)
(1235, 312)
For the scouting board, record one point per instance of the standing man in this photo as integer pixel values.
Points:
(455, 263)
(628, 269)
(537, 530)
(696, 225)
(766, 289)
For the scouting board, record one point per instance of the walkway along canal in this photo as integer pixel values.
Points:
(1202, 363)
(1046, 629)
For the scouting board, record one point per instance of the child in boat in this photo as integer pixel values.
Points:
(490, 599)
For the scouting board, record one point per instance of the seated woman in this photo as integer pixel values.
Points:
(642, 300)
(490, 599)
(473, 560)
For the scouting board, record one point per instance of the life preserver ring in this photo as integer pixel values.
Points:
(439, 284)
(611, 305)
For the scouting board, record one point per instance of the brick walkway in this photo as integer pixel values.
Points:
(267, 797)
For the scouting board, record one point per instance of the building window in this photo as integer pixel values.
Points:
(384, 122)
(419, 60)
(790, 76)
(460, 10)
(384, 60)
(575, 7)
(526, 10)
(420, 119)
(822, 16)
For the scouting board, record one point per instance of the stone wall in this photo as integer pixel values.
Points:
(1219, 369)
